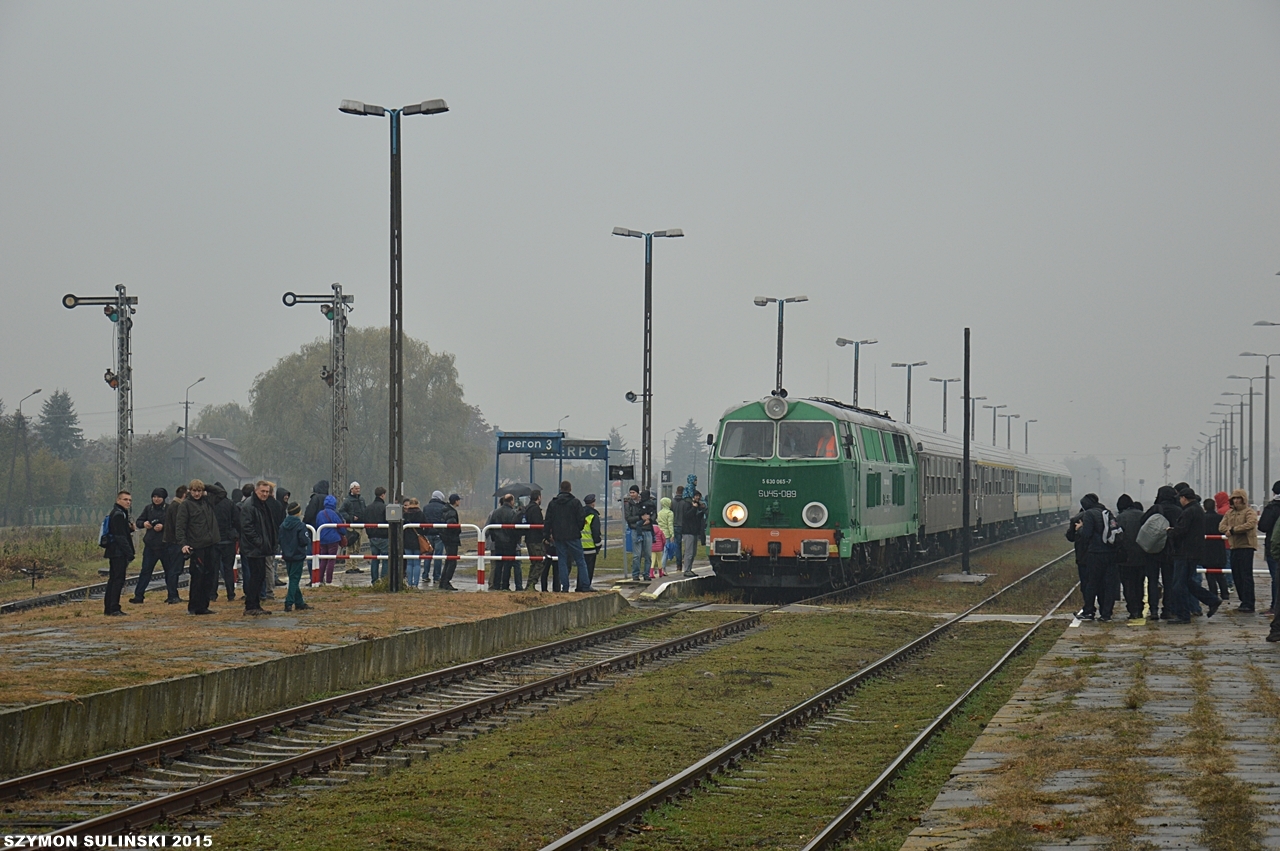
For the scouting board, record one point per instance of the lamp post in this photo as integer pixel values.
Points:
(1026, 439)
(1209, 449)
(1230, 425)
(1245, 453)
(1124, 474)
(1250, 379)
(186, 426)
(944, 382)
(1266, 409)
(973, 415)
(1008, 429)
(765, 301)
(857, 344)
(20, 433)
(994, 413)
(909, 367)
(395, 393)
(646, 438)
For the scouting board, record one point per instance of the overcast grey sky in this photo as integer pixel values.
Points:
(1092, 187)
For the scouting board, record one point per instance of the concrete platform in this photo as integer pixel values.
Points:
(1123, 706)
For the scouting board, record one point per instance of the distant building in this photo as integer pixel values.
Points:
(214, 458)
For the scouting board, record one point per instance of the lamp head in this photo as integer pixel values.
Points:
(761, 301)
(669, 233)
(355, 107)
(626, 232)
(427, 107)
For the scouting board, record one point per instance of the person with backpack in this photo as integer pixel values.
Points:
(116, 541)
(1266, 524)
(1101, 531)
(1187, 537)
(1160, 565)
(1240, 525)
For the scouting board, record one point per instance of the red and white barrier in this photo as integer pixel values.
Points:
(317, 556)
(483, 557)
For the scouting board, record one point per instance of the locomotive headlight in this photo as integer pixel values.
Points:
(735, 513)
(814, 514)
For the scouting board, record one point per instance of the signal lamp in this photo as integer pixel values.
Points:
(327, 376)
(328, 311)
(112, 312)
(113, 380)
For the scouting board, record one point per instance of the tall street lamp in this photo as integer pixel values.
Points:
(1250, 379)
(973, 415)
(186, 426)
(395, 393)
(994, 413)
(1266, 410)
(1026, 440)
(765, 301)
(646, 439)
(857, 344)
(1229, 425)
(1246, 453)
(1008, 429)
(20, 434)
(909, 367)
(944, 382)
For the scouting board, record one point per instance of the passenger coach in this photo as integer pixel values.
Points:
(813, 493)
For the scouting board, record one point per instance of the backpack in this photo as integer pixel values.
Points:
(105, 538)
(1112, 532)
(1153, 534)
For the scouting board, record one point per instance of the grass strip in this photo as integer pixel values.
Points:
(783, 798)
(533, 780)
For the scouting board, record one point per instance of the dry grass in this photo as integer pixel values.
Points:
(67, 557)
(71, 649)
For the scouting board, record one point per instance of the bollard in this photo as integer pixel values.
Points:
(480, 563)
(315, 561)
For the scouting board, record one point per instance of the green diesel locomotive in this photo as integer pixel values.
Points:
(808, 494)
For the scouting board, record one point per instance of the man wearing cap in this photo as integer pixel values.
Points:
(151, 521)
(590, 537)
(295, 546)
(352, 511)
(450, 538)
(433, 511)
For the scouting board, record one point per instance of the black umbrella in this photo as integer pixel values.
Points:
(518, 489)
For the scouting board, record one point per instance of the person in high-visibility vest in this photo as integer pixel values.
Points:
(590, 536)
(827, 446)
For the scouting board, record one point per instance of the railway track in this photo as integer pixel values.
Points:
(335, 739)
(809, 714)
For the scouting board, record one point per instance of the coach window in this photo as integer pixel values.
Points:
(747, 439)
(807, 439)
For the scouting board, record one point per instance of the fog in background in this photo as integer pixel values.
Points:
(1092, 187)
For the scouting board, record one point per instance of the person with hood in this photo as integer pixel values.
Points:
(1160, 565)
(1081, 544)
(433, 511)
(1214, 555)
(1266, 523)
(224, 552)
(535, 541)
(564, 525)
(413, 543)
(196, 531)
(1133, 561)
(316, 503)
(259, 540)
(295, 547)
(1187, 535)
(379, 539)
(151, 521)
(1240, 525)
(1100, 561)
(591, 537)
(352, 511)
(330, 539)
(118, 552)
(506, 542)
(451, 538)
(667, 525)
(173, 557)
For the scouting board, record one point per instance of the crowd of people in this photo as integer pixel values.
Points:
(567, 532)
(670, 532)
(1152, 557)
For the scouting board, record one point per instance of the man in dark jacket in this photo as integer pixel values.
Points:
(1187, 535)
(563, 524)
(535, 543)
(451, 539)
(1160, 565)
(379, 539)
(316, 504)
(691, 530)
(151, 521)
(1100, 560)
(1133, 561)
(224, 552)
(173, 557)
(1266, 523)
(258, 542)
(1081, 543)
(433, 511)
(118, 552)
(196, 531)
(506, 542)
(640, 516)
(352, 511)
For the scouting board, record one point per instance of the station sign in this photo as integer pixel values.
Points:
(585, 450)
(529, 443)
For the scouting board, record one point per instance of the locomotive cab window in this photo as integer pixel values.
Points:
(801, 439)
(871, 445)
(747, 439)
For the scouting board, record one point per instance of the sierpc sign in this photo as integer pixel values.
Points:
(585, 450)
